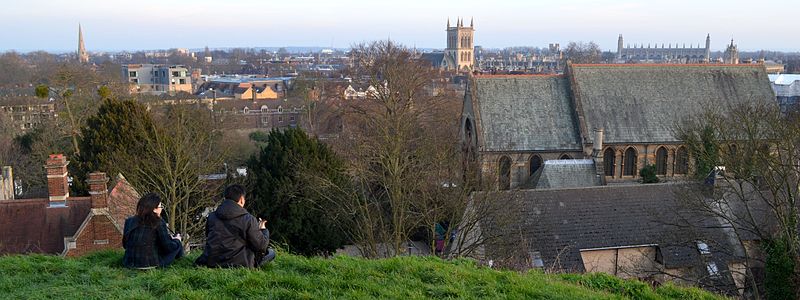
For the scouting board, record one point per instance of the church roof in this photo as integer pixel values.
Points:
(434, 58)
(642, 103)
(519, 113)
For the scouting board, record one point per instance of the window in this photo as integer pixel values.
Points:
(681, 161)
(630, 162)
(291, 118)
(712, 269)
(132, 74)
(535, 164)
(504, 173)
(536, 259)
(182, 81)
(565, 156)
(608, 161)
(175, 74)
(703, 248)
(661, 161)
(135, 80)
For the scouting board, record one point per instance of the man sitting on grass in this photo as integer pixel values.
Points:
(234, 237)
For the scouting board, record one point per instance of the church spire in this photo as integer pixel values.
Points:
(83, 57)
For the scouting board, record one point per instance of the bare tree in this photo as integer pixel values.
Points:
(583, 53)
(758, 184)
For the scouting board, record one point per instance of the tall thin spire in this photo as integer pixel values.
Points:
(83, 57)
(448, 22)
(471, 21)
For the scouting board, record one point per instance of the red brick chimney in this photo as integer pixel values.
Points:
(98, 190)
(57, 185)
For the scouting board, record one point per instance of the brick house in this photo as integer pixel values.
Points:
(65, 225)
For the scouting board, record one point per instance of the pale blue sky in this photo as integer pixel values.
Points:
(160, 24)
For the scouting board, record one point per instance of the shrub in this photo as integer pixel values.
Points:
(649, 174)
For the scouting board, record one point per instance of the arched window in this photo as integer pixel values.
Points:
(630, 162)
(661, 161)
(535, 163)
(608, 161)
(504, 173)
(681, 161)
(565, 156)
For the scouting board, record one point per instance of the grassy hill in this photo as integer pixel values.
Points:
(101, 276)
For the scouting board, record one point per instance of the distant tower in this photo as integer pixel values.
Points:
(83, 57)
(619, 47)
(708, 48)
(732, 54)
(459, 46)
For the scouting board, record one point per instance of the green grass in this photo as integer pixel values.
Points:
(101, 276)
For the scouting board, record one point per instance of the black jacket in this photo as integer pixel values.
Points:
(144, 245)
(233, 238)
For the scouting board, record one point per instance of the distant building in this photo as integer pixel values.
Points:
(65, 225)
(26, 112)
(7, 191)
(731, 54)
(243, 87)
(157, 79)
(459, 54)
(787, 90)
(667, 54)
(83, 56)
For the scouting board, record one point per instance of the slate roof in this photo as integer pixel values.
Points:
(560, 222)
(525, 113)
(566, 173)
(434, 58)
(641, 103)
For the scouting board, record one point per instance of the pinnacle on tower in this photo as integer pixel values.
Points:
(471, 19)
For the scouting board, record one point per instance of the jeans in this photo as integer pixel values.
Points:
(267, 257)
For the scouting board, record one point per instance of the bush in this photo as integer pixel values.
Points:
(649, 174)
(779, 269)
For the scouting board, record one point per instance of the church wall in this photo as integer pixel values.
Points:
(645, 155)
(520, 165)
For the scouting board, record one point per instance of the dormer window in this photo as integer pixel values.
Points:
(703, 248)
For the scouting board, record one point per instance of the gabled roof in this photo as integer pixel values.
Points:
(524, 113)
(29, 225)
(559, 223)
(642, 103)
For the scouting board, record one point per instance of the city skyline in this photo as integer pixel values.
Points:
(53, 25)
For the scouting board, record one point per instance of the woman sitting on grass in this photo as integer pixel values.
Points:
(146, 240)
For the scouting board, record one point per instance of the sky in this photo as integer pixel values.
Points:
(113, 25)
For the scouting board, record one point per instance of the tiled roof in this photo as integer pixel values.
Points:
(31, 226)
(525, 113)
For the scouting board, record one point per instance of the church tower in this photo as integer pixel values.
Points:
(619, 47)
(732, 54)
(83, 57)
(459, 50)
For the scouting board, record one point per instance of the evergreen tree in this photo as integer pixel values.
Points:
(281, 196)
(115, 134)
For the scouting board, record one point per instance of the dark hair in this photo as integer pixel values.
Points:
(234, 192)
(145, 207)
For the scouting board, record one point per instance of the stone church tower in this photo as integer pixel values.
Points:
(732, 54)
(459, 46)
(83, 57)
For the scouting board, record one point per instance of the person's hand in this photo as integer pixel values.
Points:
(177, 236)
(262, 224)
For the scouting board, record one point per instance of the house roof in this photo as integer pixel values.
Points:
(525, 113)
(566, 173)
(560, 222)
(31, 226)
(642, 103)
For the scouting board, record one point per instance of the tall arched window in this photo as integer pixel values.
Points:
(565, 156)
(468, 132)
(608, 161)
(681, 161)
(630, 162)
(661, 161)
(504, 173)
(535, 163)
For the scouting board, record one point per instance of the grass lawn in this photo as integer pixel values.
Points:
(101, 276)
